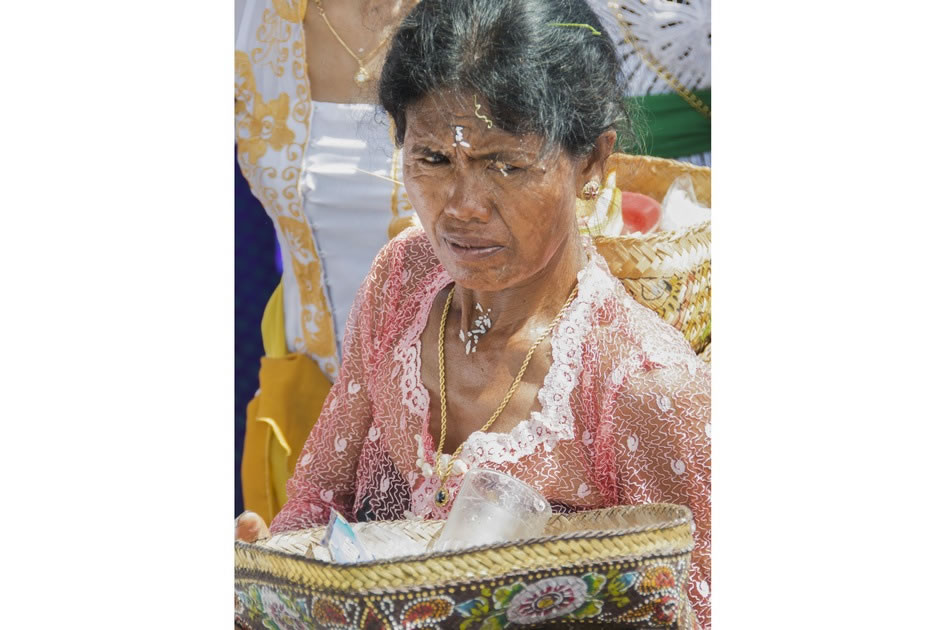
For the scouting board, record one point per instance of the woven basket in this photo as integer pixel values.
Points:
(669, 272)
(624, 567)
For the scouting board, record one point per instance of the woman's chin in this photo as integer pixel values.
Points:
(477, 279)
(483, 273)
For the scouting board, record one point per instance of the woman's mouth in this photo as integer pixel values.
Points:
(471, 249)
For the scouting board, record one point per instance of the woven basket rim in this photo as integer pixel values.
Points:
(684, 517)
(660, 236)
(632, 157)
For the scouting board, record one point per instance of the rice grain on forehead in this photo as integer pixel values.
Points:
(529, 70)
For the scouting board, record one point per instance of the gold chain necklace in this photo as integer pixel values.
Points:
(362, 75)
(442, 496)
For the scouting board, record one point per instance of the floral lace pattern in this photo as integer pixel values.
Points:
(623, 418)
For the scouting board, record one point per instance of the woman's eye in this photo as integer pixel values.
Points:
(504, 167)
(435, 158)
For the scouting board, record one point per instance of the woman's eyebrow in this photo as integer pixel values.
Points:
(488, 155)
(419, 149)
(502, 156)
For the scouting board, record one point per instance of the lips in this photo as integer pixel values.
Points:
(471, 247)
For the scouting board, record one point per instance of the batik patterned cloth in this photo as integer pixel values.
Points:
(635, 595)
(623, 419)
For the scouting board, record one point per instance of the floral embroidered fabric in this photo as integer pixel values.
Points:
(640, 595)
(623, 419)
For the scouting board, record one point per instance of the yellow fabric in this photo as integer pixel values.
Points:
(276, 433)
(273, 326)
(291, 392)
(292, 389)
(278, 467)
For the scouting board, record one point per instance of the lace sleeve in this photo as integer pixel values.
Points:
(326, 472)
(661, 453)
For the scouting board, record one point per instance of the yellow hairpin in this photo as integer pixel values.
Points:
(587, 26)
(481, 116)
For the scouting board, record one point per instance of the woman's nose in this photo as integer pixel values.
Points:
(468, 200)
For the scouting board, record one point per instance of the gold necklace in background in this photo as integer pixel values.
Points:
(362, 76)
(442, 496)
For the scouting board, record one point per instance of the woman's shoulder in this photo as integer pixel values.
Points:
(409, 254)
(625, 334)
(405, 266)
(403, 275)
(414, 240)
(632, 357)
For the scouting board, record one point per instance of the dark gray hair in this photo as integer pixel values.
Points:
(537, 66)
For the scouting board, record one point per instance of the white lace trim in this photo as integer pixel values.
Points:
(407, 353)
(555, 420)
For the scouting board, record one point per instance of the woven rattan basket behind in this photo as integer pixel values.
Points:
(669, 272)
(624, 567)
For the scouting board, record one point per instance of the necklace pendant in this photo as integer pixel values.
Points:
(362, 76)
(442, 497)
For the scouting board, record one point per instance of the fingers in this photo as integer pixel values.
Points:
(250, 527)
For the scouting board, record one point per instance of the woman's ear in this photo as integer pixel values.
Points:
(592, 166)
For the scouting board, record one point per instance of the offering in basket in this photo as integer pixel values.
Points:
(342, 542)
(491, 508)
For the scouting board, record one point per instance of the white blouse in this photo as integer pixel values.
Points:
(348, 199)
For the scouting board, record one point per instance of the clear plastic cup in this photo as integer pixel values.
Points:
(491, 508)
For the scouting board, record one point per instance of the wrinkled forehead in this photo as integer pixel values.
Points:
(445, 116)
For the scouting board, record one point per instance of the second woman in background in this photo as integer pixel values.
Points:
(318, 155)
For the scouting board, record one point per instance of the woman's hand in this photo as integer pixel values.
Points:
(250, 527)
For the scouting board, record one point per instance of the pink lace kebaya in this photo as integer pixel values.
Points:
(623, 420)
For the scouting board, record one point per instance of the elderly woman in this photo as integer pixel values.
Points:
(496, 336)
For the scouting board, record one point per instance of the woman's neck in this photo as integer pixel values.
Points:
(527, 308)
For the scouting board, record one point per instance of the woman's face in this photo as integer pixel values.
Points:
(495, 209)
